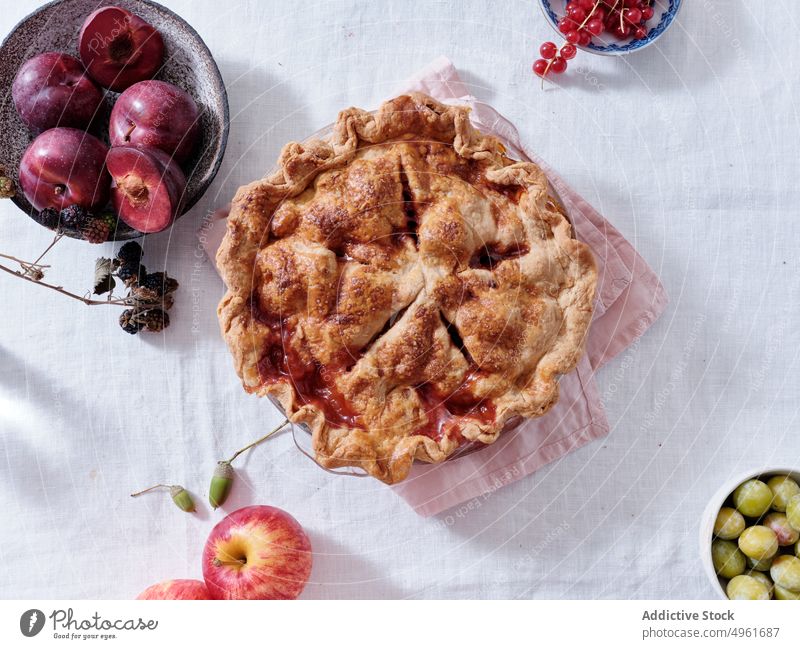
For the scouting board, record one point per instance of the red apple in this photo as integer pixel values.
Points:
(176, 589)
(65, 166)
(156, 114)
(257, 552)
(147, 187)
(118, 48)
(52, 89)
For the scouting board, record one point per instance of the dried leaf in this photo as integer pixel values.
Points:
(103, 281)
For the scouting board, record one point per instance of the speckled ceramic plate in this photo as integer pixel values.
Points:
(188, 64)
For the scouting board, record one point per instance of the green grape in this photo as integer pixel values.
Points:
(752, 498)
(762, 577)
(797, 549)
(785, 572)
(783, 488)
(745, 587)
(762, 566)
(727, 558)
(758, 542)
(779, 524)
(729, 524)
(785, 593)
(793, 511)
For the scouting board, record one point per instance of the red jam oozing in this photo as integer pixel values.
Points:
(314, 383)
(443, 410)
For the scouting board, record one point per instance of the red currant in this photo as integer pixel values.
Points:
(586, 5)
(568, 51)
(585, 38)
(566, 25)
(640, 32)
(548, 50)
(573, 37)
(540, 67)
(595, 27)
(621, 31)
(633, 15)
(577, 14)
(647, 13)
(558, 65)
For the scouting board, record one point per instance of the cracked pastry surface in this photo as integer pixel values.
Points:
(403, 288)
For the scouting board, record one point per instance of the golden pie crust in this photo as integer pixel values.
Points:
(403, 288)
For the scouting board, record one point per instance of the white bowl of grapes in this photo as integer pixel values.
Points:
(750, 536)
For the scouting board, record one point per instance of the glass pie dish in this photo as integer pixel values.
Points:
(301, 433)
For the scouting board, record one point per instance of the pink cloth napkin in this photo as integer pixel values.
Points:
(629, 299)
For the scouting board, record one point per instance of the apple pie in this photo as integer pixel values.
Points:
(403, 288)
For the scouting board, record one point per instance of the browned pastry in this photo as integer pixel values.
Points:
(404, 288)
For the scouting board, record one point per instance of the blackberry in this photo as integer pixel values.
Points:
(96, 231)
(130, 254)
(129, 322)
(48, 217)
(161, 283)
(74, 218)
(130, 274)
(153, 320)
(145, 297)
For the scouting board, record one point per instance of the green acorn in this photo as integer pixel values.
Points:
(181, 497)
(221, 483)
(222, 480)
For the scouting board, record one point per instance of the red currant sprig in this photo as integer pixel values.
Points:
(586, 19)
(552, 59)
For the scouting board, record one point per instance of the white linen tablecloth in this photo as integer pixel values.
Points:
(689, 148)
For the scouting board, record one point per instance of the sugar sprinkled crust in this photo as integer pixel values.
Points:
(404, 288)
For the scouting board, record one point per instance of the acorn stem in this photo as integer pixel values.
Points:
(258, 441)
(157, 486)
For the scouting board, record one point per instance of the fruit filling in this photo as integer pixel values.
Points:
(443, 410)
(314, 384)
(312, 381)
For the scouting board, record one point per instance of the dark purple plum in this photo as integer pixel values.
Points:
(52, 89)
(65, 166)
(119, 49)
(155, 114)
(147, 187)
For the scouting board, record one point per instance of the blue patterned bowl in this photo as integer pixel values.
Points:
(609, 45)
